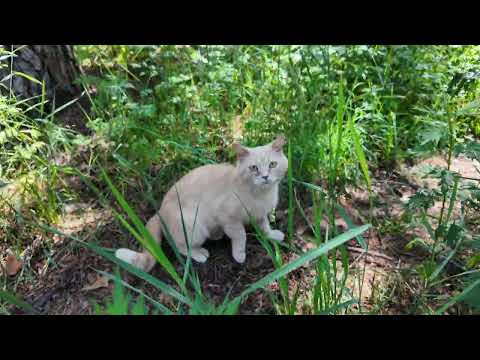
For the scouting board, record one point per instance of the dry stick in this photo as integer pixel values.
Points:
(357, 259)
(363, 253)
(370, 253)
(469, 178)
(369, 259)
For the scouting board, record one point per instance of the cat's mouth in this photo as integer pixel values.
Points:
(266, 182)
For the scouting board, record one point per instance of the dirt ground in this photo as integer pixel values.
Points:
(64, 281)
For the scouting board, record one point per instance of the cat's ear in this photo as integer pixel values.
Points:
(278, 143)
(240, 150)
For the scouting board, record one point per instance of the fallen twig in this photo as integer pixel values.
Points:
(370, 253)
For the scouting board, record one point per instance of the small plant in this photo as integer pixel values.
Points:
(14, 300)
(328, 291)
(447, 234)
(122, 303)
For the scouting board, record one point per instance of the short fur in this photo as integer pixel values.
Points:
(222, 194)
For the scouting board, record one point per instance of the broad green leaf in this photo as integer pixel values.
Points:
(472, 298)
(459, 297)
(454, 235)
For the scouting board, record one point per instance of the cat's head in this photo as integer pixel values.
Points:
(262, 166)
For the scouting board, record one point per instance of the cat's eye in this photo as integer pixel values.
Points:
(273, 164)
(253, 168)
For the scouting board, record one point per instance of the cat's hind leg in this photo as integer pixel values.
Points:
(197, 239)
(199, 254)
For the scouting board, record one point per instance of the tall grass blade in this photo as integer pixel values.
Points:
(349, 222)
(158, 305)
(290, 194)
(308, 256)
(360, 153)
(146, 238)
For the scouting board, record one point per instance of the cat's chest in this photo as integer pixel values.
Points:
(260, 206)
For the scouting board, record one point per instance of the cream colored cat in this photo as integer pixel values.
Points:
(221, 193)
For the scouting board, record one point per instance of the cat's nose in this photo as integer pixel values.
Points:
(265, 177)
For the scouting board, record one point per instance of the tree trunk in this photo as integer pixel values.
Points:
(53, 64)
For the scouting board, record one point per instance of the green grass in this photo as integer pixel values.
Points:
(228, 306)
(348, 112)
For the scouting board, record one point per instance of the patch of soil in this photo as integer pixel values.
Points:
(73, 118)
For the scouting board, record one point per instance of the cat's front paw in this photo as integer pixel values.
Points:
(200, 255)
(277, 235)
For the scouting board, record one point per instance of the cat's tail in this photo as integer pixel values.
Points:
(143, 260)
